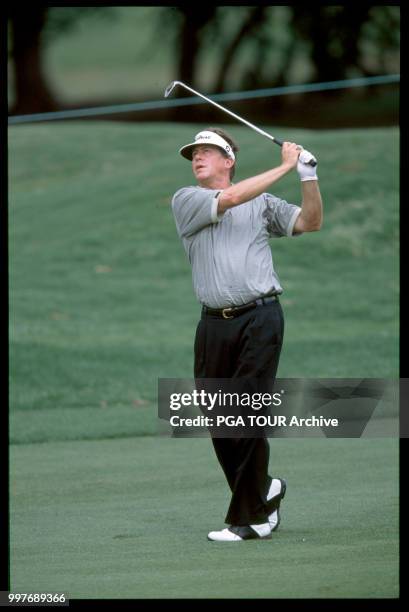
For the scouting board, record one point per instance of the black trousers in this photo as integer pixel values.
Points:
(246, 346)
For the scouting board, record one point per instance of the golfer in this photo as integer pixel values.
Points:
(225, 228)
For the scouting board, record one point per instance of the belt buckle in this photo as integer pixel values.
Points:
(225, 316)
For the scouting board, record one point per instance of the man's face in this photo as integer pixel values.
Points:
(209, 164)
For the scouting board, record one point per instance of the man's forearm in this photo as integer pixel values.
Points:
(310, 218)
(251, 188)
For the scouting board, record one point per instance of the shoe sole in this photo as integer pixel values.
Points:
(267, 537)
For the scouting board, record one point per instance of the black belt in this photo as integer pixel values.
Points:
(235, 311)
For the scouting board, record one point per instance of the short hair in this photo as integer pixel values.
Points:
(231, 142)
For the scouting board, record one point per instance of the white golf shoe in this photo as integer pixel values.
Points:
(275, 494)
(240, 533)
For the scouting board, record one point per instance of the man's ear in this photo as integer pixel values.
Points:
(229, 162)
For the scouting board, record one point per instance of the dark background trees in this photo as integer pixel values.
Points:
(333, 42)
(33, 92)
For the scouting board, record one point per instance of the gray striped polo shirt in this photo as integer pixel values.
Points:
(229, 253)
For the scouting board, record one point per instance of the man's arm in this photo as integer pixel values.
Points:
(256, 185)
(310, 217)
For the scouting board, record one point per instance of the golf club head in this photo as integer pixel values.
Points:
(170, 88)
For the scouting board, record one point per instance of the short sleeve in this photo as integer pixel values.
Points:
(280, 216)
(195, 208)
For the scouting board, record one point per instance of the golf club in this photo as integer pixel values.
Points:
(172, 85)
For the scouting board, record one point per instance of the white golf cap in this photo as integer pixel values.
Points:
(210, 138)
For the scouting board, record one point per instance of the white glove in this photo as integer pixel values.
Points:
(305, 171)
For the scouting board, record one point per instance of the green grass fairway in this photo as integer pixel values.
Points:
(129, 518)
(101, 306)
(101, 298)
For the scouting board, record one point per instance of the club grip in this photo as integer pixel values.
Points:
(280, 144)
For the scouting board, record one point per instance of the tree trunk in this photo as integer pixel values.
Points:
(33, 94)
(194, 20)
(334, 37)
(252, 21)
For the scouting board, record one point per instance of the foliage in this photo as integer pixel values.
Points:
(332, 38)
(230, 47)
(63, 19)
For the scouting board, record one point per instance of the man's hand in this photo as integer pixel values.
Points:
(305, 171)
(290, 153)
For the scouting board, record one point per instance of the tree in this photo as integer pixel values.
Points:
(186, 24)
(332, 42)
(31, 29)
(331, 39)
(249, 25)
(333, 35)
(33, 93)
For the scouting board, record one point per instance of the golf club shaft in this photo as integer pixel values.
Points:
(253, 127)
